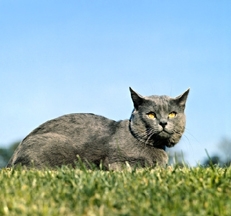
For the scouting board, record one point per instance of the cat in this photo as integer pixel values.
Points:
(156, 122)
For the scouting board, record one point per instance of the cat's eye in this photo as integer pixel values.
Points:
(151, 115)
(172, 115)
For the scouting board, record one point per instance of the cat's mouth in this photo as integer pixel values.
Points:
(163, 138)
(164, 134)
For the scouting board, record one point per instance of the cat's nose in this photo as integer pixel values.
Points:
(163, 122)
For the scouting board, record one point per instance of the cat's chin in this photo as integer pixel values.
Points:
(166, 139)
(164, 135)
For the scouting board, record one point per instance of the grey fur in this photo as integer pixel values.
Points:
(96, 139)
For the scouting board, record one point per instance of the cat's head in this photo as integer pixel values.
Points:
(158, 120)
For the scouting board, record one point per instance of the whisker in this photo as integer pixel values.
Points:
(187, 131)
(187, 139)
(148, 138)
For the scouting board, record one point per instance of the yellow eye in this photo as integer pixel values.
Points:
(151, 115)
(172, 115)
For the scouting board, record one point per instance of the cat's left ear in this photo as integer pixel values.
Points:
(181, 100)
(136, 98)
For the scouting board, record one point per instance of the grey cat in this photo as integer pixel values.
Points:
(155, 122)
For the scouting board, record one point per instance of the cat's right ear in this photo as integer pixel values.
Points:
(181, 100)
(136, 98)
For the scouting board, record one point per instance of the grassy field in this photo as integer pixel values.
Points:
(171, 191)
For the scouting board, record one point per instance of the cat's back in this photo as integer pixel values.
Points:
(58, 141)
(75, 124)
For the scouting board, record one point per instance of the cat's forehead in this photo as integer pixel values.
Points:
(160, 102)
(159, 99)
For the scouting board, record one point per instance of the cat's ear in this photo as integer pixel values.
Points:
(181, 100)
(136, 98)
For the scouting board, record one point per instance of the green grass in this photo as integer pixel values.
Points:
(171, 191)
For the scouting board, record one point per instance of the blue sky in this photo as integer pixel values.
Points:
(59, 57)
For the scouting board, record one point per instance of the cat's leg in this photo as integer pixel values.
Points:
(117, 166)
